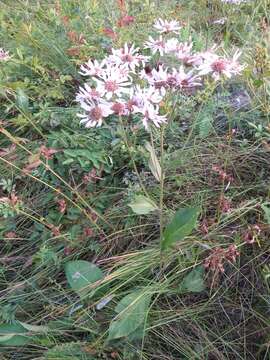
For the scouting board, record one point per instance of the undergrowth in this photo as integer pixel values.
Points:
(114, 244)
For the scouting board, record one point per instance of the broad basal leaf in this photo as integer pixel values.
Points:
(182, 224)
(193, 281)
(142, 205)
(81, 274)
(132, 311)
(13, 334)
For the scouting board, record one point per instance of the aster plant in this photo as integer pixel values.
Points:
(136, 84)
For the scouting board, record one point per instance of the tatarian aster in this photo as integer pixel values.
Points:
(183, 52)
(112, 82)
(185, 80)
(87, 93)
(127, 56)
(150, 114)
(157, 45)
(139, 96)
(4, 55)
(95, 113)
(92, 68)
(164, 26)
(159, 79)
(218, 66)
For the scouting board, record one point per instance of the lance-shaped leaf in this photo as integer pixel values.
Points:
(182, 224)
(142, 205)
(132, 311)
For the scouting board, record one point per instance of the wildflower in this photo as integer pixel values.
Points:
(127, 56)
(215, 261)
(4, 55)
(159, 79)
(92, 68)
(110, 33)
(139, 96)
(171, 45)
(232, 253)
(125, 20)
(155, 46)
(221, 173)
(47, 152)
(95, 113)
(164, 26)
(185, 80)
(62, 205)
(220, 21)
(10, 235)
(87, 93)
(112, 82)
(218, 66)
(119, 108)
(88, 232)
(224, 204)
(91, 176)
(252, 234)
(183, 52)
(150, 114)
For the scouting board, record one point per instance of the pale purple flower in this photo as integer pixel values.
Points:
(4, 55)
(113, 82)
(140, 95)
(157, 45)
(218, 66)
(185, 80)
(95, 113)
(92, 68)
(127, 56)
(158, 79)
(165, 26)
(171, 45)
(150, 114)
(87, 93)
(183, 52)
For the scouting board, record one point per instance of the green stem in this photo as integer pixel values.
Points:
(132, 158)
(161, 182)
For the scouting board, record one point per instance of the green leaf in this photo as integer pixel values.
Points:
(193, 281)
(153, 162)
(141, 205)
(80, 274)
(132, 311)
(22, 100)
(266, 210)
(34, 328)
(182, 224)
(13, 334)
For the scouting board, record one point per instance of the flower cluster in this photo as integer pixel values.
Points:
(128, 83)
(217, 258)
(4, 55)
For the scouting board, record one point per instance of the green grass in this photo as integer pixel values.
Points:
(227, 315)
